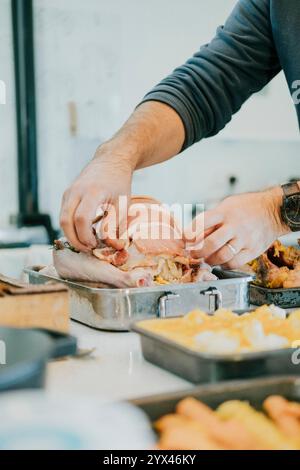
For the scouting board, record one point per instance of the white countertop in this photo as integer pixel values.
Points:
(115, 370)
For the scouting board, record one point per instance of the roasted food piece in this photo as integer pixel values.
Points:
(229, 434)
(261, 426)
(281, 255)
(293, 279)
(269, 275)
(235, 425)
(285, 414)
(180, 433)
(278, 268)
(148, 251)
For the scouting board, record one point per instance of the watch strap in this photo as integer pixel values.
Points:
(290, 189)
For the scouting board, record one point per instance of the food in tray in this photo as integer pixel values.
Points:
(234, 425)
(138, 261)
(278, 268)
(225, 332)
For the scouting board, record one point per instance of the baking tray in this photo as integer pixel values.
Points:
(200, 367)
(108, 308)
(253, 391)
(284, 298)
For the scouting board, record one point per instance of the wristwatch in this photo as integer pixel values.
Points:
(290, 209)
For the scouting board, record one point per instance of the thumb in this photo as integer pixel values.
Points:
(201, 226)
(114, 222)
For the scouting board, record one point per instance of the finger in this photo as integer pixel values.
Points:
(215, 241)
(225, 254)
(109, 229)
(123, 206)
(195, 233)
(195, 253)
(69, 206)
(114, 225)
(239, 260)
(83, 221)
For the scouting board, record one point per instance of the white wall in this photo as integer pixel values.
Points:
(8, 150)
(104, 56)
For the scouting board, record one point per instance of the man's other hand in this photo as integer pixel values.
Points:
(248, 225)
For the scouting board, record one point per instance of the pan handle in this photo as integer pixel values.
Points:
(165, 303)
(63, 344)
(214, 297)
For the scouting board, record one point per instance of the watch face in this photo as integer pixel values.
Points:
(292, 209)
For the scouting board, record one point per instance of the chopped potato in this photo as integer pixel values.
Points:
(225, 332)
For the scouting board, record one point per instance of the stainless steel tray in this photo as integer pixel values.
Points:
(109, 308)
(284, 298)
(200, 367)
(253, 391)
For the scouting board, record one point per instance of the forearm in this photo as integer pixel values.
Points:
(154, 133)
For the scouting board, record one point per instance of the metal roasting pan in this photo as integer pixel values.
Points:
(200, 367)
(284, 298)
(108, 308)
(253, 391)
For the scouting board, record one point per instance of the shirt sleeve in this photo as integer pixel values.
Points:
(211, 86)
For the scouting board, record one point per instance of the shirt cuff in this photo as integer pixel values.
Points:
(170, 96)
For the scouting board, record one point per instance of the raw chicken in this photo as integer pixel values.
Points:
(148, 251)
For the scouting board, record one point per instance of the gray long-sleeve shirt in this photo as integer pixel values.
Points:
(260, 38)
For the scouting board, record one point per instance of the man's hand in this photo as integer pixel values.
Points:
(141, 142)
(99, 184)
(249, 224)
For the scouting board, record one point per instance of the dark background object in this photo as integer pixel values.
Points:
(284, 298)
(23, 39)
(13, 244)
(252, 391)
(26, 354)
